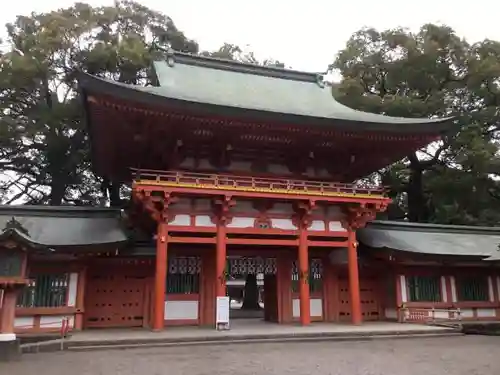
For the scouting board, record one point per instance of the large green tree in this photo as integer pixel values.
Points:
(430, 73)
(44, 154)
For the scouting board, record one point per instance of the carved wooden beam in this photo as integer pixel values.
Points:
(222, 207)
(156, 205)
(357, 216)
(303, 213)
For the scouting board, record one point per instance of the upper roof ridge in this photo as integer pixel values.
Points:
(173, 57)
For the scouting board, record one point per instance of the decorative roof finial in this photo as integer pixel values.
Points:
(13, 224)
(170, 57)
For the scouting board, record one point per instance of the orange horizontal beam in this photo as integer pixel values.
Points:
(328, 243)
(146, 186)
(261, 242)
(254, 231)
(191, 240)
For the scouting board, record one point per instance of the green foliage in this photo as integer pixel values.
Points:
(432, 73)
(44, 150)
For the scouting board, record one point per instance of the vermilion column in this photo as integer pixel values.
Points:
(352, 258)
(160, 277)
(220, 259)
(8, 313)
(305, 305)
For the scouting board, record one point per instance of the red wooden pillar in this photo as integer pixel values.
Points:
(352, 258)
(8, 312)
(330, 291)
(284, 276)
(305, 304)
(160, 277)
(208, 289)
(80, 298)
(220, 259)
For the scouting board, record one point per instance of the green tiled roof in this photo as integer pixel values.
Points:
(61, 226)
(249, 89)
(432, 239)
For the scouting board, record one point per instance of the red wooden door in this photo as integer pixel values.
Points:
(368, 288)
(115, 299)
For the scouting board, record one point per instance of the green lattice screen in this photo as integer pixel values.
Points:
(472, 288)
(315, 276)
(424, 288)
(45, 291)
(183, 276)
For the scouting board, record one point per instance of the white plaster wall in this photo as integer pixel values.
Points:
(203, 221)
(24, 322)
(390, 313)
(335, 226)
(444, 292)
(486, 313)
(285, 224)
(453, 289)
(242, 222)
(181, 310)
(440, 314)
(72, 289)
(404, 294)
(55, 321)
(467, 313)
(490, 289)
(316, 306)
(184, 220)
(317, 225)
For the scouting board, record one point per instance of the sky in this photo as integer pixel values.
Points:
(305, 35)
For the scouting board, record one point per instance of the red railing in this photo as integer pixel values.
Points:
(257, 184)
(429, 315)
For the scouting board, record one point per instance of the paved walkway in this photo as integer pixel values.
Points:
(252, 328)
(461, 355)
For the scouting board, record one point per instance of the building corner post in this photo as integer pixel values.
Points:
(160, 276)
(304, 293)
(352, 259)
(220, 258)
(9, 344)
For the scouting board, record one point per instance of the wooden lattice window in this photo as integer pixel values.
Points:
(315, 279)
(45, 290)
(183, 276)
(472, 288)
(424, 288)
(11, 263)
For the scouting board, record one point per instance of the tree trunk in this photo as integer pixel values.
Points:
(416, 197)
(251, 297)
(57, 191)
(114, 195)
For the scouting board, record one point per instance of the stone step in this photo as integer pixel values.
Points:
(56, 345)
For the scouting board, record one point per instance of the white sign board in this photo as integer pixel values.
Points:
(222, 313)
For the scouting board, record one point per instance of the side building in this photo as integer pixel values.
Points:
(82, 266)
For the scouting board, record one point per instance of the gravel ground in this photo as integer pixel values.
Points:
(471, 355)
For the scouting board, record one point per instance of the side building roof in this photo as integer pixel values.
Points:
(208, 86)
(433, 239)
(61, 226)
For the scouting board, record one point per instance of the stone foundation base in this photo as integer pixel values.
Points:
(10, 350)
